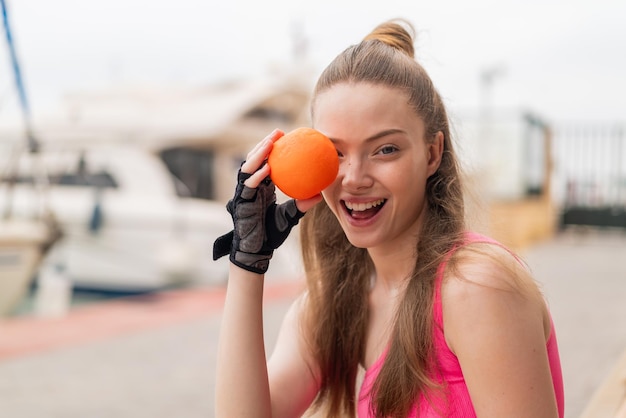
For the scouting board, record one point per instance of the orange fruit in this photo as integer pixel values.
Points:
(303, 163)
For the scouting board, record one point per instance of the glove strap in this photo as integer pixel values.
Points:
(256, 263)
(222, 245)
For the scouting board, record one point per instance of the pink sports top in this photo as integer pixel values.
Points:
(457, 402)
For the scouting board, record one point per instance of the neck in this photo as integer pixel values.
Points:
(395, 260)
(393, 268)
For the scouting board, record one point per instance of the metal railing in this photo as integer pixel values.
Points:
(590, 173)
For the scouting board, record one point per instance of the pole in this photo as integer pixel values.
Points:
(33, 146)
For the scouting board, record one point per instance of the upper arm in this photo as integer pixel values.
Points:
(498, 334)
(293, 378)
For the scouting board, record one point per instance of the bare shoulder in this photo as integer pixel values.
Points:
(496, 323)
(486, 280)
(490, 265)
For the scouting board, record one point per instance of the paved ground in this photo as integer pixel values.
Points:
(584, 278)
(155, 357)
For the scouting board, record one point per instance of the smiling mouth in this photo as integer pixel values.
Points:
(364, 210)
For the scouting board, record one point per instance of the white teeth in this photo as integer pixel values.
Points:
(360, 207)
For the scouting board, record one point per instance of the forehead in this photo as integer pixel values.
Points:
(360, 109)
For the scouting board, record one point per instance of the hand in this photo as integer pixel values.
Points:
(260, 224)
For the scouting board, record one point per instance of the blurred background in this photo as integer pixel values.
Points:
(122, 125)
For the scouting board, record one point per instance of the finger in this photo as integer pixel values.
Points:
(256, 157)
(276, 134)
(306, 204)
(260, 152)
(254, 180)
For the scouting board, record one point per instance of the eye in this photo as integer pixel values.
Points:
(387, 149)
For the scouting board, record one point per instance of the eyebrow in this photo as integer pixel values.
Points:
(376, 136)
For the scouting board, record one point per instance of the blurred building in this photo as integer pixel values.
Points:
(508, 160)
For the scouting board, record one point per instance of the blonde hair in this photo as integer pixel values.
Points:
(338, 273)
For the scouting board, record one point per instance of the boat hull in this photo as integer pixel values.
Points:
(21, 245)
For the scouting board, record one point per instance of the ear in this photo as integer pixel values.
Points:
(435, 153)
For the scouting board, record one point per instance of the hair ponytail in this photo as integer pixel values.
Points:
(397, 33)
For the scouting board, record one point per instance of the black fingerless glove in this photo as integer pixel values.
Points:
(260, 225)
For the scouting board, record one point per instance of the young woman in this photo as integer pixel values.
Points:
(445, 322)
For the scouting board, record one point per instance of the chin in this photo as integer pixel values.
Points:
(361, 242)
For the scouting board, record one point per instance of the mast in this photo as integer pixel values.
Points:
(32, 143)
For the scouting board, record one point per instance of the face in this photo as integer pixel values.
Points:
(385, 160)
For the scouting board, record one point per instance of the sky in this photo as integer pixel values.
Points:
(564, 60)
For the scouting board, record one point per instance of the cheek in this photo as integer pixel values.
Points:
(330, 196)
(325, 196)
(331, 190)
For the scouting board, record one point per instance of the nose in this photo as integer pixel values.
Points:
(354, 174)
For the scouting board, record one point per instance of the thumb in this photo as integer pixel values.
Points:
(306, 204)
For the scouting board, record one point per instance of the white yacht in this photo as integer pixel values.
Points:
(138, 179)
(125, 227)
